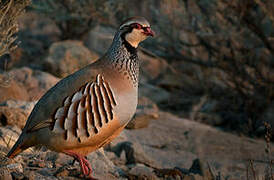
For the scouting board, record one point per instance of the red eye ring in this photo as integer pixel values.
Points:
(137, 26)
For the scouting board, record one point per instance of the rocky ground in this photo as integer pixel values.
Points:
(168, 148)
(157, 143)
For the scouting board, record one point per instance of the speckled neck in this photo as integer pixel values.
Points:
(124, 58)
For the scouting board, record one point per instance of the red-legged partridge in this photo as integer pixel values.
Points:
(89, 108)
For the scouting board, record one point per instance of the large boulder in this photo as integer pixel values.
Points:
(66, 57)
(154, 93)
(99, 39)
(175, 142)
(34, 81)
(151, 67)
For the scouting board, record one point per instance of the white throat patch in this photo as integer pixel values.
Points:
(135, 37)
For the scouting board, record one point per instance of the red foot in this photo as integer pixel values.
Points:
(85, 165)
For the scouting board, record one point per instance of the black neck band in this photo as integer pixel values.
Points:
(130, 48)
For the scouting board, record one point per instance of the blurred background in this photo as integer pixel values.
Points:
(210, 62)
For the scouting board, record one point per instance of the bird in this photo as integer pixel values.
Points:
(89, 108)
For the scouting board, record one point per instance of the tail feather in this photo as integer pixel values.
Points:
(14, 151)
(17, 148)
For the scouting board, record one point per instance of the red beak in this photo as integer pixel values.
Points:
(149, 32)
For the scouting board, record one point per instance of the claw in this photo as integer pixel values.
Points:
(85, 165)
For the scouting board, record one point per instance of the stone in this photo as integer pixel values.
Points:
(170, 79)
(102, 166)
(156, 94)
(5, 174)
(68, 56)
(8, 136)
(168, 148)
(171, 141)
(12, 116)
(57, 159)
(196, 167)
(99, 39)
(10, 89)
(34, 81)
(208, 118)
(169, 173)
(268, 116)
(62, 173)
(7, 167)
(15, 113)
(194, 177)
(15, 167)
(45, 82)
(146, 111)
(26, 106)
(140, 120)
(133, 151)
(151, 67)
(140, 170)
(17, 176)
(35, 175)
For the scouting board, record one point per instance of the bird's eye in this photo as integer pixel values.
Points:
(137, 26)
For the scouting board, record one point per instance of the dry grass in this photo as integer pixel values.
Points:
(9, 12)
(251, 172)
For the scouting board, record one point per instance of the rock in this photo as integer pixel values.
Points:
(103, 167)
(10, 89)
(151, 67)
(15, 113)
(45, 82)
(57, 159)
(66, 57)
(5, 174)
(35, 82)
(140, 120)
(17, 176)
(193, 177)
(12, 116)
(8, 136)
(100, 38)
(8, 166)
(169, 173)
(268, 116)
(25, 78)
(143, 171)
(196, 167)
(205, 112)
(36, 175)
(26, 106)
(133, 151)
(172, 142)
(209, 118)
(166, 143)
(15, 167)
(146, 111)
(62, 173)
(172, 80)
(156, 94)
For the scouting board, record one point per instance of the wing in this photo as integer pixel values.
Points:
(84, 112)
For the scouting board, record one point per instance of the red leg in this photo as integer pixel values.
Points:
(85, 165)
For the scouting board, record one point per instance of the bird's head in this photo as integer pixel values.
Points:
(135, 30)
